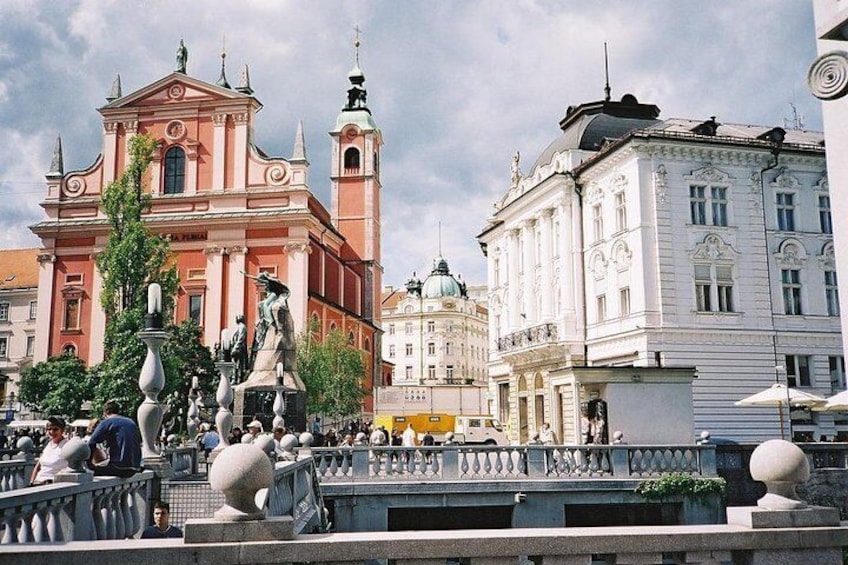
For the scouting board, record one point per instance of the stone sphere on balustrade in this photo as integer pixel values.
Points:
(239, 472)
(307, 439)
(265, 442)
(288, 442)
(25, 444)
(76, 452)
(781, 465)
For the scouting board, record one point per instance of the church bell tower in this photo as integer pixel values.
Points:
(355, 176)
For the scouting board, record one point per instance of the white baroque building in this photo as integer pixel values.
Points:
(634, 241)
(436, 333)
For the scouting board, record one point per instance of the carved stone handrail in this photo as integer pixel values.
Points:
(183, 460)
(296, 493)
(14, 474)
(528, 337)
(474, 463)
(102, 509)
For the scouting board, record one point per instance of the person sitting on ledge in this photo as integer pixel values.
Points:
(51, 460)
(161, 527)
(122, 439)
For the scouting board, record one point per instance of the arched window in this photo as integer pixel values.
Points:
(351, 158)
(69, 349)
(174, 171)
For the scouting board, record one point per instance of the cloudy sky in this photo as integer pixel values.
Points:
(457, 87)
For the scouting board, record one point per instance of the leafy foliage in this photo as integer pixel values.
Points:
(184, 357)
(681, 484)
(332, 371)
(132, 259)
(58, 386)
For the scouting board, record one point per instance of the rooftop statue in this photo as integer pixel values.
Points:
(182, 58)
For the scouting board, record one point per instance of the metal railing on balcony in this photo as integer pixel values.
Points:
(528, 337)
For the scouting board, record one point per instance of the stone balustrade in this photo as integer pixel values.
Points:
(183, 460)
(643, 545)
(8, 454)
(295, 493)
(102, 509)
(15, 474)
(512, 462)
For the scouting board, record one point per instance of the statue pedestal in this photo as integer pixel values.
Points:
(757, 518)
(207, 530)
(251, 402)
(159, 465)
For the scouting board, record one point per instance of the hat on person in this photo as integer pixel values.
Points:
(255, 424)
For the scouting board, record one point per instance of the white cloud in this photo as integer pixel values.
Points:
(456, 86)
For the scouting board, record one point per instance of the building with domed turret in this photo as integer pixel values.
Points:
(434, 333)
(229, 209)
(635, 242)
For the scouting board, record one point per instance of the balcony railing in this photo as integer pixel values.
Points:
(474, 463)
(103, 509)
(528, 337)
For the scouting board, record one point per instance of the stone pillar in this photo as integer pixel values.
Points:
(110, 149)
(130, 130)
(46, 262)
(242, 122)
(98, 316)
(546, 259)
(219, 150)
(513, 301)
(212, 303)
(151, 381)
(529, 307)
(236, 282)
(297, 253)
(224, 397)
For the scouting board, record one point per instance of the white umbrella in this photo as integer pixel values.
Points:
(27, 424)
(837, 402)
(779, 395)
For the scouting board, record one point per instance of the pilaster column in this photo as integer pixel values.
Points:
(298, 277)
(236, 283)
(110, 151)
(241, 120)
(219, 150)
(130, 130)
(578, 277)
(546, 259)
(529, 233)
(98, 316)
(567, 256)
(212, 302)
(46, 281)
(514, 296)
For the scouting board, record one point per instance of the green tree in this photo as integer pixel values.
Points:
(58, 386)
(184, 357)
(332, 371)
(132, 259)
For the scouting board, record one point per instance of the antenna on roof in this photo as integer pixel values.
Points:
(796, 122)
(606, 74)
(440, 238)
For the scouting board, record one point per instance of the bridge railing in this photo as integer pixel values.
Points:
(15, 473)
(511, 462)
(296, 493)
(183, 460)
(103, 509)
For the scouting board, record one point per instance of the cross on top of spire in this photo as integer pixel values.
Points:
(357, 43)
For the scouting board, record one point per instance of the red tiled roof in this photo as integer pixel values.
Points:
(18, 268)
